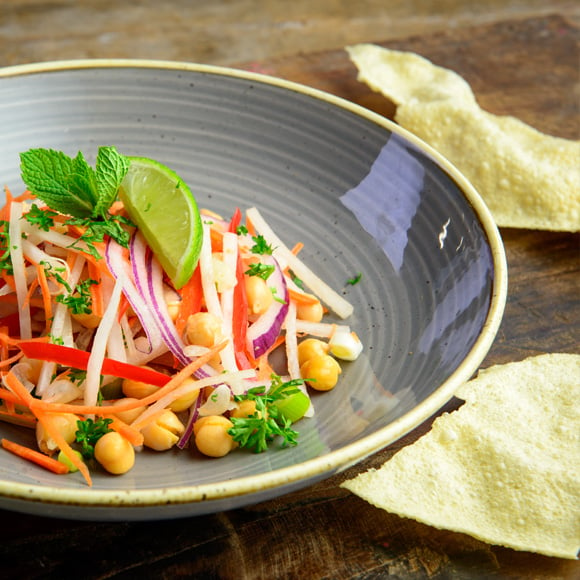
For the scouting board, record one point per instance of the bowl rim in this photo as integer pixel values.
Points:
(334, 461)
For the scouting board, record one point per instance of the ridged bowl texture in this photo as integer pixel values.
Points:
(362, 195)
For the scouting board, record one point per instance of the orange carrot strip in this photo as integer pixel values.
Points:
(96, 290)
(4, 337)
(9, 397)
(33, 286)
(35, 457)
(5, 211)
(7, 362)
(9, 279)
(217, 240)
(45, 420)
(297, 248)
(46, 297)
(302, 297)
(191, 299)
(250, 226)
(134, 436)
(20, 419)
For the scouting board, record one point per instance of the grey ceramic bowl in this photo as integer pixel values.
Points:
(361, 193)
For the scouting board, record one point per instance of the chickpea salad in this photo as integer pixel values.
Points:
(129, 318)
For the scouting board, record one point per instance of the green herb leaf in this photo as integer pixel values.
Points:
(5, 258)
(89, 432)
(260, 429)
(80, 301)
(261, 270)
(54, 178)
(43, 219)
(355, 279)
(261, 246)
(111, 168)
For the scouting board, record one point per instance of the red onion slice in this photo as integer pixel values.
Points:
(262, 334)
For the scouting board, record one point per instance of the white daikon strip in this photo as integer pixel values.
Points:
(323, 291)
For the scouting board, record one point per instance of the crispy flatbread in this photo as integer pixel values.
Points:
(527, 179)
(503, 468)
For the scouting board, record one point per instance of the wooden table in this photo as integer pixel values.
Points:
(527, 68)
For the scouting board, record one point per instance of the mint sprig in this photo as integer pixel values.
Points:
(70, 185)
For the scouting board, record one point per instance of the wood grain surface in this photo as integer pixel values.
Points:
(527, 68)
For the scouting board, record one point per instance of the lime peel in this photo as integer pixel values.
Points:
(162, 206)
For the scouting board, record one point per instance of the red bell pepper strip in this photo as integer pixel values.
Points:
(235, 221)
(240, 319)
(79, 359)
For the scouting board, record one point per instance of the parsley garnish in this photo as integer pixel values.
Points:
(354, 280)
(296, 280)
(42, 218)
(261, 246)
(72, 187)
(265, 424)
(261, 270)
(89, 432)
(241, 230)
(5, 259)
(79, 302)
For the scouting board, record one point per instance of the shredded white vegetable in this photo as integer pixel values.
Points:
(323, 291)
(97, 355)
(17, 259)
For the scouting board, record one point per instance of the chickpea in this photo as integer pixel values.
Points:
(203, 329)
(87, 320)
(164, 432)
(115, 453)
(185, 401)
(259, 295)
(172, 300)
(130, 415)
(65, 423)
(212, 437)
(310, 348)
(137, 389)
(323, 370)
(310, 312)
(245, 408)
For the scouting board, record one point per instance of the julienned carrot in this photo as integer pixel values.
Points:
(7, 362)
(302, 297)
(46, 297)
(134, 436)
(297, 248)
(96, 290)
(191, 300)
(9, 396)
(20, 419)
(33, 286)
(46, 420)
(35, 457)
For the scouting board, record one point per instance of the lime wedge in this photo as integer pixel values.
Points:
(161, 205)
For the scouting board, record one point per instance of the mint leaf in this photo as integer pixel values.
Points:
(111, 168)
(54, 178)
(83, 181)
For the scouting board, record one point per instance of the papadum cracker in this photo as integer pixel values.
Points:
(503, 468)
(527, 179)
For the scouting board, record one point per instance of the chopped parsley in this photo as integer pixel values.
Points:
(261, 270)
(261, 428)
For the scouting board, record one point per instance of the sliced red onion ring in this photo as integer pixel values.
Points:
(119, 267)
(262, 334)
